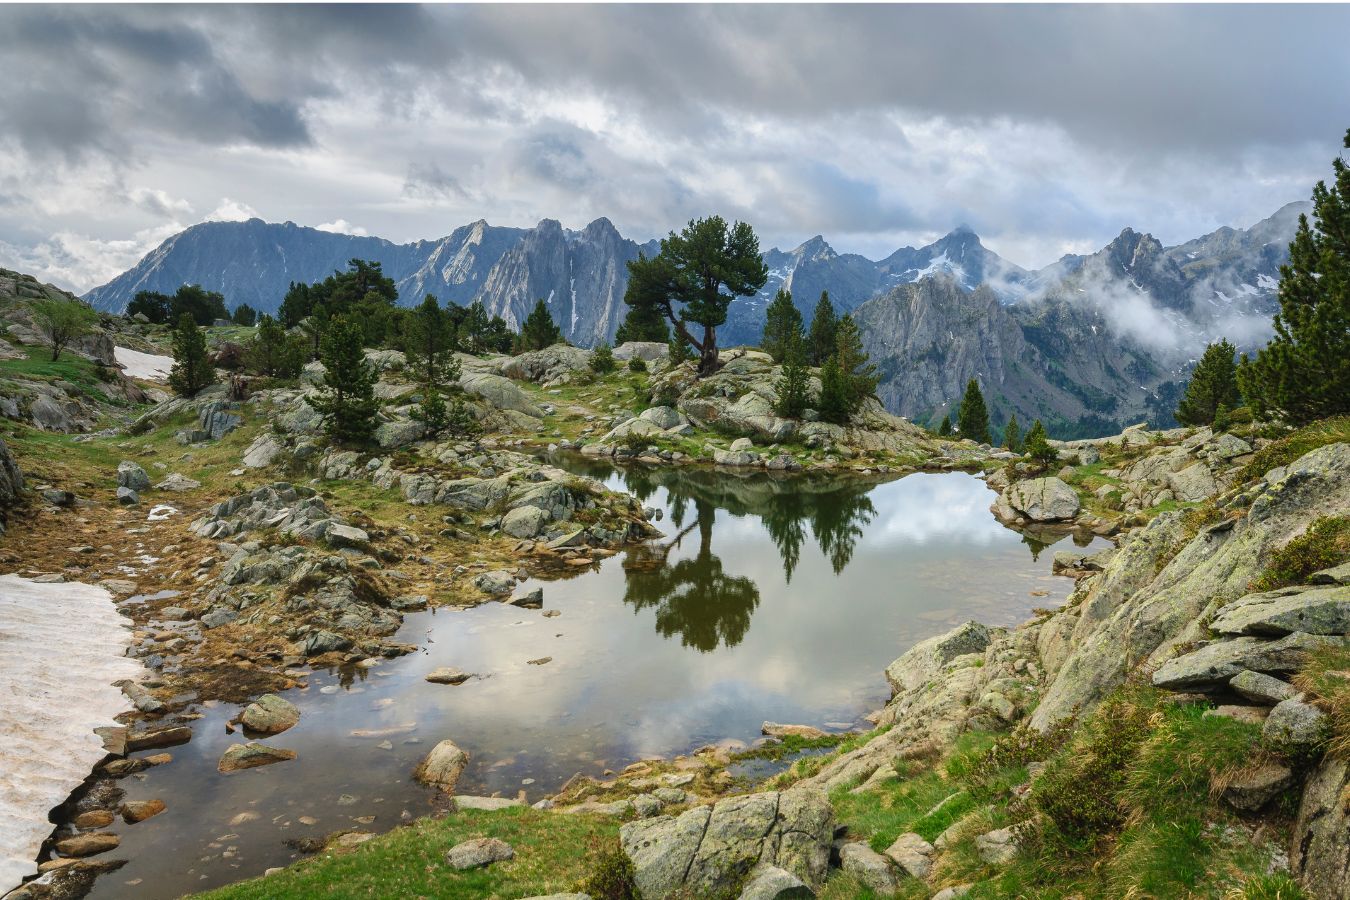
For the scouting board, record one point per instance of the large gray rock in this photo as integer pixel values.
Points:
(11, 479)
(390, 435)
(270, 714)
(912, 854)
(925, 659)
(1315, 610)
(739, 458)
(1259, 687)
(1320, 849)
(647, 351)
(1295, 725)
(131, 475)
(1043, 499)
(550, 366)
(708, 849)
(1193, 483)
(1216, 663)
(524, 522)
(442, 766)
(869, 867)
(663, 417)
(773, 883)
(262, 452)
(216, 420)
(499, 392)
(478, 852)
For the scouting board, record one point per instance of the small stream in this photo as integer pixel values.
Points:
(768, 599)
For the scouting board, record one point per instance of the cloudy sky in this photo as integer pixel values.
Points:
(1047, 129)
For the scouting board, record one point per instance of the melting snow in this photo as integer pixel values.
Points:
(143, 365)
(1266, 283)
(57, 682)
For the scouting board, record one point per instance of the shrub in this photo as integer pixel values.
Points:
(1326, 543)
(612, 875)
(602, 360)
(637, 365)
(1293, 445)
(1037, 445)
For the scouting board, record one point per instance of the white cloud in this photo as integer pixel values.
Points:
(342, 226)
(160, 203)
(232, 211)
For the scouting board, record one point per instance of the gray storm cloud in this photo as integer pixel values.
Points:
(1047, 127)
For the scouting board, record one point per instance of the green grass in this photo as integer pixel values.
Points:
(69, 368)
(553, 854)
(1325, 544)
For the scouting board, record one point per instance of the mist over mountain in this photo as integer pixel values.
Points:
(1087, 342)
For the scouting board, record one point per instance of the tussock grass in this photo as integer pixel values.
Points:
(1326, 543)
(1294, 445)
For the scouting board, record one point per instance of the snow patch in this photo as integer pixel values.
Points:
(57, 682)
(147, 366)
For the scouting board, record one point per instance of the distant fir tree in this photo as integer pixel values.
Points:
(945, 429)
(824, 324)
(1303, 374)
(1012, 435)
(643, 323)
(346, 398)
(539, 330)
(860, 376)
(191, 370)
(973, 418)
(782, 326)
(244, 315)
(273, 352)
(1037, 445)
(794, 384)
(679, 349)
(602, 359)
(1213, 384)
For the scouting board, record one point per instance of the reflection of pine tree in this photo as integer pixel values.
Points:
(693, 598)
(837, 521)
(785, 521)
(1035, 544)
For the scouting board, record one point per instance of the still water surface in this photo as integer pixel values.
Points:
(767, 599)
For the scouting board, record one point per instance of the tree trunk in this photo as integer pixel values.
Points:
(707, 363)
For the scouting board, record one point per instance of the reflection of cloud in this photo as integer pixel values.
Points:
(923, 508)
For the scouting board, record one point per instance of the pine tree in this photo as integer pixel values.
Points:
(1303, 374)
(973, 418)
(833, 393)
(643, 323)
(782, 325)
(244, 315)
(346, 397)
(794, 385)
(1037, 445)
(695, 277)
(1012, 435)
(428, 335)
(945, 429)
(269, 353)
(860, 376)
(820, 343)
(539, 330)
(1213, 384)
(475, 327)
(191, 370)
(602, 360)
(679, 349)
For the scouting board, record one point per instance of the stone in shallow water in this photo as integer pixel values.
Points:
(251, 755)
(448, 675)
(442, 766)
(270, 714)
(82, 845)
(134, 811)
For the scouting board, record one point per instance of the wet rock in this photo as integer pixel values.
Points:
(1253, 789)
(154, 738)
(238, 757)
(270, 714)
(134, 811)
(448, 675)
(495, 583)
(130, 475)
(532, 600)
(773, 729)
(82, 845)
(477, 853)
(1261, 688)
(442, 766)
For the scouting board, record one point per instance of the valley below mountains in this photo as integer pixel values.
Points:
(1087, 344)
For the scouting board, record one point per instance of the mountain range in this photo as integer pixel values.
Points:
(1085, 343)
